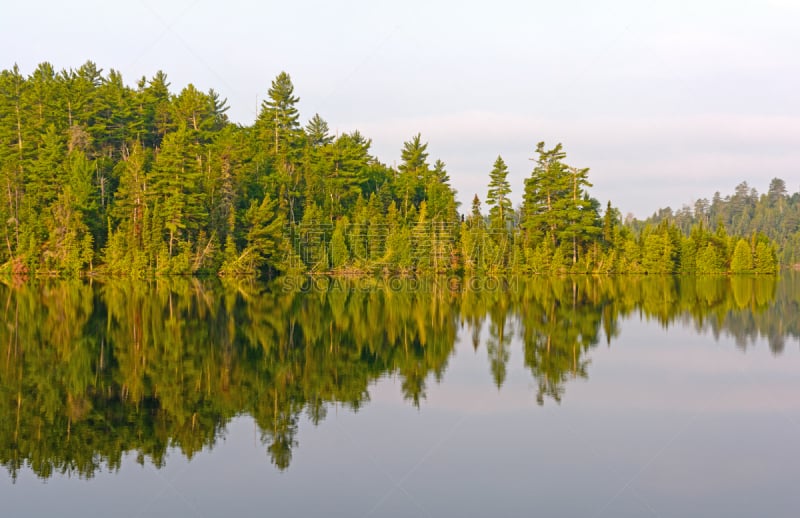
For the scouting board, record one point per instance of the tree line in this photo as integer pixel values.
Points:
(776, 214)
(92, 371)
(101, 177)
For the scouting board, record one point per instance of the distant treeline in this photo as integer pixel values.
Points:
(775, 214)
(101, 177)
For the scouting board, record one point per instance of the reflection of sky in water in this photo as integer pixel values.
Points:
(670, 423)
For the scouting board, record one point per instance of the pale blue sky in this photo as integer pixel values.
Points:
(665, 101)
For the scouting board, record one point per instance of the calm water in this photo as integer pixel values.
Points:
(613, 397)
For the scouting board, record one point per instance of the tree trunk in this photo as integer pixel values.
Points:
(574, 249)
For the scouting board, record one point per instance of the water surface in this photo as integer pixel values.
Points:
(633, 396)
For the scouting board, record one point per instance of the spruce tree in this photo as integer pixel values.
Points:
(497, 199)
(317, 132)
(279, 119)
(543, 208)
(339, 254)
(742, 260)
(413, 173)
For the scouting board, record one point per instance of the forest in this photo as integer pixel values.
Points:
(101, 178)
(775, 214)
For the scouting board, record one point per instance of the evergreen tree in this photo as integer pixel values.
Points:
(115, 123)
(175, 186)
(742, 260)
(497, 198)
(398, 242)
(413, 173)
(473, 239)
(582, 212)
(765, 260)
(155, 109)
(279, 119)
(266, 241)
(317, 132)
(340, 255)
(556, 203)
(542, 214)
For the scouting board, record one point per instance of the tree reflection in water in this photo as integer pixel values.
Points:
(93, 370)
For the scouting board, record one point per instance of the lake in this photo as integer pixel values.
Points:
(569, 396)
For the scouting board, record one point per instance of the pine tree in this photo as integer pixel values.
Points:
(439, 195)
(115, 122)
(42, 95)
(658, 254)
(175, 184)
(742, 260)
(378, 231)
(611, 220)
(155, 109)
(193, 111)
(317, 132)
(12, 159)
(340, 255)
(80, 95)
(266, 245)
(765, 261)
(582, 212)
(413, 173)
(279, 119)
(348, 160)
(542, 209)
(398, 242)
(497, 198)
(473, 237)
(46, 172)
(556, 203)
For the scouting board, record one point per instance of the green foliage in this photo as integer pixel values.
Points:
(317, 132)
(775, 214)
(497, 197)
(742, 260)
(278, 120)
(105, 178)
(340, 255)
(412, 174)
(556, 204)
(765, 261)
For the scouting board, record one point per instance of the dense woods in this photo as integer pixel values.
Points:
(101, 177)
(775, 214)
(92, 371)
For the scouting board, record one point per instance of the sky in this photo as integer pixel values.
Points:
(664, 101)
